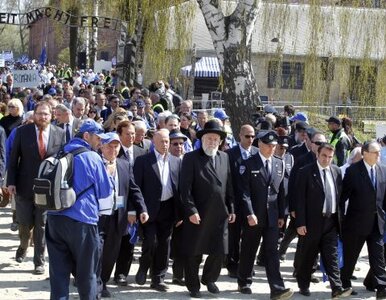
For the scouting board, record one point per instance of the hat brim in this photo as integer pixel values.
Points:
(185, 138)
(270, 143)
(221, 133)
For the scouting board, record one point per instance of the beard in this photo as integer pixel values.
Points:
(210, 151)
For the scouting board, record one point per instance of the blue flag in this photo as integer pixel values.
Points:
(43, 56)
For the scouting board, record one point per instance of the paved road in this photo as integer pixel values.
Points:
(17, 281)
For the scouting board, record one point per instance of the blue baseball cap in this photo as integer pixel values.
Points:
(93, 127)
(220, 114)
(140, 103)
(109, 137)
(300, 116)
(52, 91)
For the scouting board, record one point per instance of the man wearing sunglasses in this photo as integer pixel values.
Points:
(237, 157)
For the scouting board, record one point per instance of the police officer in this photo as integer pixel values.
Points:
(263, 207)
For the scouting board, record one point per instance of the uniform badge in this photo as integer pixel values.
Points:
(270, 137)
(242, 170)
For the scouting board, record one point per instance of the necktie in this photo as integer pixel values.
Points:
(68, 135)
(42, 147)
(267, 170)
(129, 158)
(372, 177)
(327, 194)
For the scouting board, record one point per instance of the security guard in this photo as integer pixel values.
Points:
(263, 207)
(339, 140)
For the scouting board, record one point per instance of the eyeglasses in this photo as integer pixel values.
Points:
(177, 144)
(247, 136)
(317, 143)
(43, 114)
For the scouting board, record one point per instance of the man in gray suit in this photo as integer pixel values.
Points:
(33, 143)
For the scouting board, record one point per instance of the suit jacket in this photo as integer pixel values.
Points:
(10, 91)
(365, 202)
(207, 190)
(147, 177)
(298, 150)
(106, 113)
(130, 192)
(264, 199)
(137, 151)
(25, 160)
(75, 127)
(237, 165)
(145, 144)
(310, 197)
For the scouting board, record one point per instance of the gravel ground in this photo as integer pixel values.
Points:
(18, 282)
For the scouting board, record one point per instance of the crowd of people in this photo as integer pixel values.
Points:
(148, 168)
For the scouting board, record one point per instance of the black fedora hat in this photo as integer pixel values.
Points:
(212, 126)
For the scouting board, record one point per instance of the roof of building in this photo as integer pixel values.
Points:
(354, 33)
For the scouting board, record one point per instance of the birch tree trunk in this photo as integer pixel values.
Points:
(232, 36)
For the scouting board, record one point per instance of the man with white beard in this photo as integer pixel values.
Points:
(207, 196)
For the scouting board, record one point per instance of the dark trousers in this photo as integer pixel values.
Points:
(370, 281)
(125, 257)
(72, 245)
(250, 239)
(233, 256)
(176, 252)
(30, 217)
(111, 238)
(309, 247)
(354, 243)
(289, 235)
(156, 242)
(210, 273)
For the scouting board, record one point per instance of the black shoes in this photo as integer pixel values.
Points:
(105, 292)
(381, 294)
(195, 294)
(232, 274)
(282, 294)
(178, 281)
(212, 287)
(121, 280)
(20, 254)
(245, 290)
(140, 277)
(341, 293)
(161, 287)
(39, 270)
(314, 279)
(305, 292)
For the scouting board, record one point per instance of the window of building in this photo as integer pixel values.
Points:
(292, 75)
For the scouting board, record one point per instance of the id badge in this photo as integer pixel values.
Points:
(119, 202)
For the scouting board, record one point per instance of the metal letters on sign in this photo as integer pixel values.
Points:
(63, 17)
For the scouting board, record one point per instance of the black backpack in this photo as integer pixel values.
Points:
(53, 187)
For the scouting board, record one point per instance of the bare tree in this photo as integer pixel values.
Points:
(231, 36)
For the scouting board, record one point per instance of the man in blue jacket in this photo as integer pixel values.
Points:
(72, 234)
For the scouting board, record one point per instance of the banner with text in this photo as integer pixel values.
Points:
(63, 17)
(27, 78)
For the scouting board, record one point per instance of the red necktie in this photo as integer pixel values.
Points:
(42, 147)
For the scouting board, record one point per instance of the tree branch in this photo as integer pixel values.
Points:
(214, 19)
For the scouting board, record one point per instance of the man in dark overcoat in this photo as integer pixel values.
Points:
(207, 196)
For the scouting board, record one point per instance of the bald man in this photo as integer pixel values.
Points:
(237, 156)
(156, 173)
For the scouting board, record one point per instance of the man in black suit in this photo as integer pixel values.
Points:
(154, 173)
(318, 220)
(237, 157)
(32, 144)
(9, 85)
(207, 196)
(126, 197)
(114, 104)
(129, 152)
(303, 142)
(263, 209)
(364, 185)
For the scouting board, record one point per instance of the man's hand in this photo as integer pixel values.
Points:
(178, 223)
(231, 218)
(293, 214)
(144, 217)
(252, 220)
(195, 219)
(302, 230)
(12, 189)
(280, 223)
(132, 219)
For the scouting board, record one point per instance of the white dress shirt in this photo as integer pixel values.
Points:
(332, 185)
(164, 171)
(46, 135)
